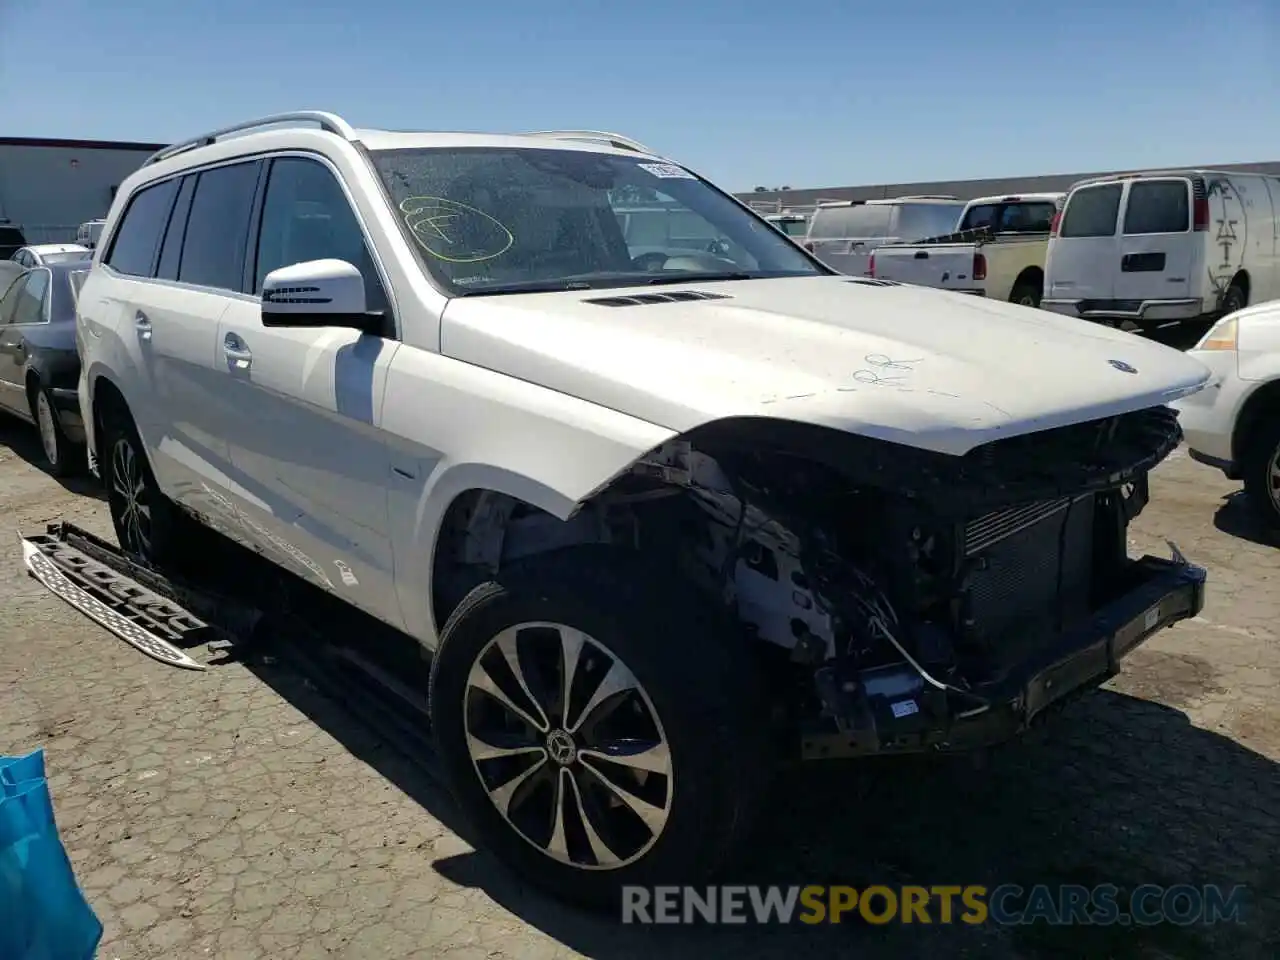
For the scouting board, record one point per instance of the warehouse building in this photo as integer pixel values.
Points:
(50, 187)
(803, 200)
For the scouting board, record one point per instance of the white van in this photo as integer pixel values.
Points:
(844, 233)
(1141, 250)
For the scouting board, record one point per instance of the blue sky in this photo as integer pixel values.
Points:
(803, 93)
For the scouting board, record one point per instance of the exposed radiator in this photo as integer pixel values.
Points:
(1026, 557)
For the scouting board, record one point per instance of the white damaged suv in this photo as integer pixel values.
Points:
(662, 520)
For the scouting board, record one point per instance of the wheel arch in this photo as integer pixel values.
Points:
(104, 396)
(1033, 274)
(534, 485)
(1263, 399)
(1243, 281)
(478, 518)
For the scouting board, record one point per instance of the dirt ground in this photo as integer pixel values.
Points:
(238, 814)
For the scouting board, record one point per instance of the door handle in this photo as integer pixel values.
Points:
(922, 255)
(143, 325)
(236, 352)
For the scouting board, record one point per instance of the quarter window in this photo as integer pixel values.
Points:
(133, 250)
(213, 249)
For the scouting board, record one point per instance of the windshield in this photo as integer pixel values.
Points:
(497, 219)
(792, 228)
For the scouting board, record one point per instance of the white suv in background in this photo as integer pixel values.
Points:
(1234, 423)
(660, 519)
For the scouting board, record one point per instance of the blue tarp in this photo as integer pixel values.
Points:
(43, 913)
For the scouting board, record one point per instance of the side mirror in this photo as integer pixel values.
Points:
(318, 293)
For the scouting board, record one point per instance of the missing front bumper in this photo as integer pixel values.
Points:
(1164, 593)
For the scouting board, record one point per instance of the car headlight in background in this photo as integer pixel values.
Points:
(1221, 336)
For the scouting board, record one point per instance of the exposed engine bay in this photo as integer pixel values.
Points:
(900, 590)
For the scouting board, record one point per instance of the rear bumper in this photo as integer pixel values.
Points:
(1139, 311)
(1164, 593)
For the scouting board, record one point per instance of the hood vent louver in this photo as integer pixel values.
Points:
(874, 282)
(670, 296)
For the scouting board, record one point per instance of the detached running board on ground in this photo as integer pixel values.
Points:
(165, 618)
(87, 573)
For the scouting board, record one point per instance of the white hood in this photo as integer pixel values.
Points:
(925, 368)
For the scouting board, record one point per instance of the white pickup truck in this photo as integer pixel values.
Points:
(998, 251)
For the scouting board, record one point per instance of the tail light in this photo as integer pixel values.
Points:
(1054, 223)
(1201, 211)
(871, 265)
(979, 267)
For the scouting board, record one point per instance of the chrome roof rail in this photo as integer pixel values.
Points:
(594, 136)
(326, 121)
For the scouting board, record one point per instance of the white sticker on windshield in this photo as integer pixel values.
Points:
(667, 171)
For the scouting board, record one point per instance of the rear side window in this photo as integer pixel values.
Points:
(218, 227)
(1091, 212)
(1158, 206)
(864, 220)
(828, 223)
(837, 223)
(919, 221)
(133, 249)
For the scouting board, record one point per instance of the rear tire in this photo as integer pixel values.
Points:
(62, 457)
(684, 722)
(147, 524)
(1026, 295)
(1260, 466)
(1234, 299)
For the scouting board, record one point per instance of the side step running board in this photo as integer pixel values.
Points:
(166, 618)
(138, 605)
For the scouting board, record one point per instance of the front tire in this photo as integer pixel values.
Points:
(599, 725)
(1261, 470)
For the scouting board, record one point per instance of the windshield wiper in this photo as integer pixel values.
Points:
(604, 280)
(700, 277)
(534, 286)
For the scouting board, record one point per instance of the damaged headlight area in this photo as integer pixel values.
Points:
(914, 600)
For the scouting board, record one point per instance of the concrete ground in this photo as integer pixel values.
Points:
(238, 814)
